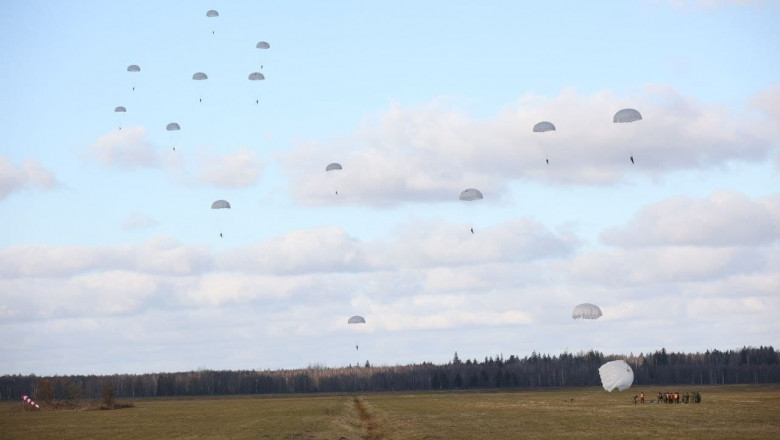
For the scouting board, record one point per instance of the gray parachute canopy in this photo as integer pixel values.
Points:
(220, 204)
(586, 311)
(120, 109)
(256, 76)
(627, 115)
(470, 194)
(616, 374)
(133, 68)
(356, 320)
(543, 126)
(212, 13)
(263, 45)
(172, 126)
(333, 166)
(199, 76)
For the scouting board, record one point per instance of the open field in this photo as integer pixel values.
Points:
(733, 412)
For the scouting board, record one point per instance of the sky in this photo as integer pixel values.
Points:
(111, 259)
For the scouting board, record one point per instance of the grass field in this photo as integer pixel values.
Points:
(726, 412)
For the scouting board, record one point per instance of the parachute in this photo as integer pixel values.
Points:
(172, 126)
(333, 176)
(133, 68)
(356, 320)
(333, 166)
(256, 76)
(626, 115)
(220, 204)
(212, 13)
(586, 311)
(263, 45)
(470, 194)
(616, 374)
(120, 109)
(543, 126)
(199, 76)
(120, 117)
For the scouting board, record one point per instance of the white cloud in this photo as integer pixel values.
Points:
(126, 148)
(29, 174)
(432, 152)
(239, 169)
(725, 218)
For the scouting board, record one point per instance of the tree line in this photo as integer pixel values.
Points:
(746, 365)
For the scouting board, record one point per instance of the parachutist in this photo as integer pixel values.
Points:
(548, 161)
(220, 235)
(632, 159)
(257, 101)
(174, 148)
(472, 230)
(261, 66)
(337, 193)
(200, 100)
(356, 347)
(134, 89)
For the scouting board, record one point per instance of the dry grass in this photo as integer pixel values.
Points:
(733, 412)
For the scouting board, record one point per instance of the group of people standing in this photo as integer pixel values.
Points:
(675, 397)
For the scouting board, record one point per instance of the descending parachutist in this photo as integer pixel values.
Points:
(356, 347)
(548, 161)
(632, 159)
(337, 193)
(257, 101)
(220, 235)
(200, 100)
(472, 230)
(174, 148)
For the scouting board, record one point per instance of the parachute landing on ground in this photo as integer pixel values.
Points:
(616, 375)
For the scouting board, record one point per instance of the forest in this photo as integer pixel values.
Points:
(748, 365)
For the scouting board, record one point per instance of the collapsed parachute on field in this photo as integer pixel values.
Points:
(220, 204)
(626, 115)
(333, 166)
(586, 311)
(199, 76)
(543, 126)
(616, 374)
(356, 320)
(172, 127)
(263, 45)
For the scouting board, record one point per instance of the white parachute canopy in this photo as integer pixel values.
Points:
(616, 374)
(356, 320)
(627, 115)
(470, 194)
(543, 126)
(586, 311)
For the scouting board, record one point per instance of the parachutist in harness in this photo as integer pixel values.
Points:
(220, 235)
(632, 159)
(337, 193)
(472, 230)
(548, 161)
(356, 347)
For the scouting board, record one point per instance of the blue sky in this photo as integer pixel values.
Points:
(111, 260)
